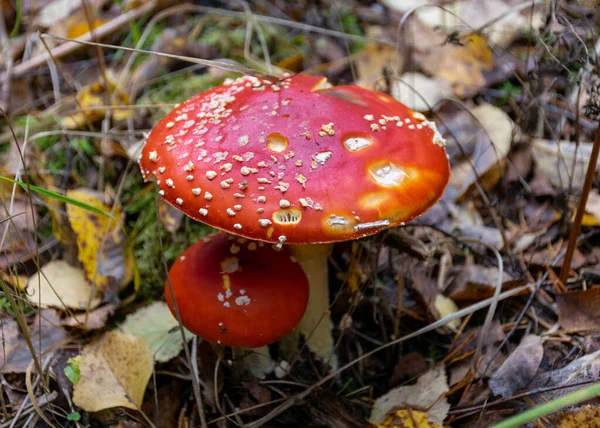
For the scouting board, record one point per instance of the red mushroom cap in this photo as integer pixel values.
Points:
(236, 292)
(298, 161)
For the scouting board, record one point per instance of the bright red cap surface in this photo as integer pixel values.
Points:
(297, 162)
(236, 292)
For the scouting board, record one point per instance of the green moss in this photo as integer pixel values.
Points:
(142, 220)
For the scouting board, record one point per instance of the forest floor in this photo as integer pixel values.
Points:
(484, 308)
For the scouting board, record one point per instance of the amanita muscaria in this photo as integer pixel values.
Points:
(236, 292)
(298, 162)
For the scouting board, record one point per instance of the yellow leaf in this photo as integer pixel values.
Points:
(585, 416)
(406, 418)
(464, 65)
(61, 285)
(114, 372)
(78, 29)
(107, 260)
(92, 100)
(446, 306)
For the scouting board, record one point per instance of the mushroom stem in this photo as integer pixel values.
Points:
(316, 324)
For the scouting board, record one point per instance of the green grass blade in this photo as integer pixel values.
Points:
(57, 196)
(584, 394)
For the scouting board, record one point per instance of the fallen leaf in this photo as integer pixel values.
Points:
(420, 92)
(462, 65)
(92, 100)
(169, 216)
(519, 369)
(585, 416)
(56, 11)
(473, 282)
(407, 419)
(61, 285)
(106, 259)
(428, 393)
(586, 368)
(592, 208)
(93, 320)
(157, 325)
(114, 372)
(557, 160)
(44, 332)
(445, 306)
(78, 29)
(425, 287)
(492, 131)
(371, 62)
(579, 310)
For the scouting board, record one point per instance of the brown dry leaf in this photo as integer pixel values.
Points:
(519, 369)
(169, 216)
(44, 332)
(93, 98)
(579, 310)
(107, 259)
(371, 61)
(583, 369)
(476, 282)
(94, 320)
(61, 285)
(491, 130)
(428, 393)
(501, 21)
(114, 372)
(463, 65)
(557, 159)
(437, 305)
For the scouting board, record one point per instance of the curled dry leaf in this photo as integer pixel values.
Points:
(438, 306)
(428, 393)
(586, 368)
(62, 286)
(93, 320)
(44, 332)
(106, 258)
(157, 325)
(114, 372)
(519, 369)
(476, 282)
(579, 310)
(491, 130)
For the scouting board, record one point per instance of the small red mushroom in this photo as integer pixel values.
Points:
(236, 292)
(298, 162)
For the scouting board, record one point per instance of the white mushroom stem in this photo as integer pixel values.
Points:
(316, 324)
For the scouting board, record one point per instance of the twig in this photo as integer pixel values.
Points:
(587, 186)
(72, 45)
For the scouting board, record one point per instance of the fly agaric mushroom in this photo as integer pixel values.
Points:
(298, 162)
(237, 293)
